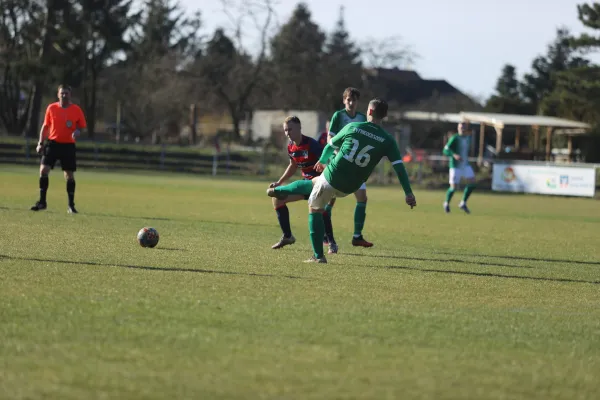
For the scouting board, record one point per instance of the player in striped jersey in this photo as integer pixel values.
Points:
(304, 152)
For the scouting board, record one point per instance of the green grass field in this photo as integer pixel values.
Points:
(501, 304)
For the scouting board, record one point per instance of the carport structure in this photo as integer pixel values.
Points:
(552, 125)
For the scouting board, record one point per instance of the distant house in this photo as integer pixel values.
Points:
(405, 90)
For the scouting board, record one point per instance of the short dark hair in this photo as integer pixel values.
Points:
(64, 87)
(379, 107)
(351, 92)
(294, 119)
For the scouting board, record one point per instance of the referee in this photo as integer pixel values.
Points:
(63, 122)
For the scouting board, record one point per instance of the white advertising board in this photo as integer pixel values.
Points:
(544, 179)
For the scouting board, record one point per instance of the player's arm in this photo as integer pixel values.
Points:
(448, 149)
(44, 129)
(333, 127)
(333, 145)
(289, 172)
(43, 133)
(393, 154)
(81, 125)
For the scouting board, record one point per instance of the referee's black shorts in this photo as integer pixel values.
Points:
(63, 152)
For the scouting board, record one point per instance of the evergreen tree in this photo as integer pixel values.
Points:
(297, 61)
(507, 98)
(343, 66)
(541, 82)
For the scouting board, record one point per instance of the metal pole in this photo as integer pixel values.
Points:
(118, 127)
(163, 149)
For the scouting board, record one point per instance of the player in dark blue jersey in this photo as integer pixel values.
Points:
(304, 152)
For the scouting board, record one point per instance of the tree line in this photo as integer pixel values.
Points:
(154, 60)
(563, 82)
(150, 62)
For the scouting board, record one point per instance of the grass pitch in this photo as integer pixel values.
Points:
(500, 304)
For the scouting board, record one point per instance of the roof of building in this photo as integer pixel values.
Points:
(407, 88)
(565, 126)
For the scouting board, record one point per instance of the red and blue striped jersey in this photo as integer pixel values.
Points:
(306, 154)
(323, 139)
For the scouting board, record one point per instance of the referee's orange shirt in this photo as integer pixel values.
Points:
(62, 122)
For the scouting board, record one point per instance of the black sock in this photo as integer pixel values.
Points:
(44, 182)
(328, 227)
(283, 215)
(71, 191)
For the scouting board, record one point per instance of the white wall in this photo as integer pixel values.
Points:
(266, 121)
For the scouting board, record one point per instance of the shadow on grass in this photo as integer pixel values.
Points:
(489, 264)
(133, 217)
(204, 221)
(490, 275)
(553, 260)
(147, 268)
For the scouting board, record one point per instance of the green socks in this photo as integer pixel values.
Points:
(449, 194)
(360, 213)
(328, 209)
(316, 227)
(468, 190)
(303, 186)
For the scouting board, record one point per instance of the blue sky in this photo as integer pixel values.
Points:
(465, 42)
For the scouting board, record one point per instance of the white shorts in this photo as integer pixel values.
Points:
(322, 193)
(456, 174)
(363, 186)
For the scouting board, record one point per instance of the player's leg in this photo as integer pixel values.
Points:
(70, 179)
(321, 194)
(329, 206)
(69, 166)
(360, 214)
(283, 216)
(329, 211)
(469, 175)
(453, 181)
(46, 164)
(301, 187)
(329, 239)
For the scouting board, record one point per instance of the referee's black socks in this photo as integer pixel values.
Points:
(44, 181)
(71, 191)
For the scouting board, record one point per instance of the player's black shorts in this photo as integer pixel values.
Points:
(63, 152)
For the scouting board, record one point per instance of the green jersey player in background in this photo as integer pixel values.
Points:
(339, 120)
(360, 146)
(457, 149)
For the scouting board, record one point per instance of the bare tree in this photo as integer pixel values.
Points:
(40, 81)
(151, 100)
(19, 28)
(388, 52)
(228, 67)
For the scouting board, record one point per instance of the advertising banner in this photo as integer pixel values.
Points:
(543, 179)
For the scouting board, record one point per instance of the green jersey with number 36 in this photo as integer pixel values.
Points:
(361, 146)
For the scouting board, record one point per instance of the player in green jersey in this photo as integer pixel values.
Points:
(457, 149)
(360, 146)
(339, 120)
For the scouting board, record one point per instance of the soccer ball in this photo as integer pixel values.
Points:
(147, 237)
